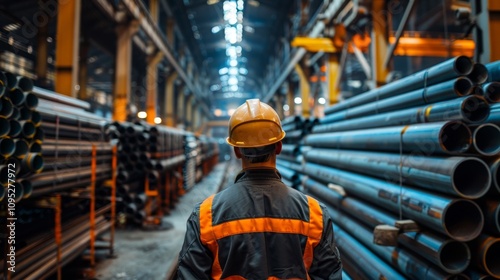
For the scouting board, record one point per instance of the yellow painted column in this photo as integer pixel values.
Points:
(67, 44)
(83, 71)
(380, 42)
(305, 90)
(154, 10)
(169, 100)
(334, 74)
(170, 32)
(123, 70)
(152, 86)
(290, 96)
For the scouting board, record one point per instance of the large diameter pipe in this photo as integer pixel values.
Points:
(447, 70)
(403, 259)
(479, 73)
(493, 71)
(450, 255)
(6, 108)
(451, 137)
(22, 148)
(491, 211)
(467, 177)
(4, 126)
(469, 109)
(460, 219)
(436, 93)
(495, 175)
(354, 253)
(486, 254)
(7, 147)
(61, 99)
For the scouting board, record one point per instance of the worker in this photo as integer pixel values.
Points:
(258, 228)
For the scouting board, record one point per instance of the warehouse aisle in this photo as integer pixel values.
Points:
(143, 254)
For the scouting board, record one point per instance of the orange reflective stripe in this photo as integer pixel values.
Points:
(315, 231)
(207, 236)
(254, 225)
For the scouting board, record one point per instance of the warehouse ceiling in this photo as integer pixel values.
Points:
(233, 41)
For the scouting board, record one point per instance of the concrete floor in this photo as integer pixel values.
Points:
(152, 254)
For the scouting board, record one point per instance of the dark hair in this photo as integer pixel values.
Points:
(258, 154)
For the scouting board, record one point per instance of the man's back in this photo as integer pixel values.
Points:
(259, 228)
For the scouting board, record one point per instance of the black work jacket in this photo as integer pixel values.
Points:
(256, 229)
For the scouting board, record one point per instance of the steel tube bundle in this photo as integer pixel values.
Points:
(451, 137)
(450, 255)
(491, 211)
(407, 262)
(447, 70)
(466, 177)
(495, 174)
(436, 93)
(460, 219)
(469, 109)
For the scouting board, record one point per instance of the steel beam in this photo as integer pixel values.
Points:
(305, 90)
(67, 44)
(334, 76)
(379, 43)
(439, 47)
(152, 86)
(487, 19)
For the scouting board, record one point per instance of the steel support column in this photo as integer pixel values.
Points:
(169, 100)
(334, 75)
(41, 55)
(171, 33)
(305, 90)
(487, 15)
(123, 70)
(181, 99)
(380, 42)
(67, 44)
(152, 86)
(83, 70)
(290, 95)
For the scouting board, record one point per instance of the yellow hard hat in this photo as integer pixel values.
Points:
(254, 124)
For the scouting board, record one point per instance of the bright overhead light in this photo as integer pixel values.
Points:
(212, 2)
(321, 100)
(297, 100)
(157, 120)
(216, 29)
(223, 71)
(232, 81)
(233, 62)
(233, 88)
(218, 112)
(11, 27)
(233, 71)
(286, 107)
(142, 115)
(243, 71)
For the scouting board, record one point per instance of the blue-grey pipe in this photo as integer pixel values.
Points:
(436, 93)
(467, 177)
(491, 92)
(485, 139)
(494, 116)
(479, 73)
(450, 255)
(447, 70)
(294, 165)
(491, 211)
(290, 149)
(469, 109)
(460, 219)
(410, 264)
(493, 71)
(495, 176)
(287, 173)
(486, 254)
(451, 137)
(4, 126)
(359, 262)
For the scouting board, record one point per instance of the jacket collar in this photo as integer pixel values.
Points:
(258, 173)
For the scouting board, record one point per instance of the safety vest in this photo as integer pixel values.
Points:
(210, 234)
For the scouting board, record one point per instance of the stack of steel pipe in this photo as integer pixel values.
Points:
(210, 153)
(20, 142)
(191, 153)
(425, 148)
(70, 133)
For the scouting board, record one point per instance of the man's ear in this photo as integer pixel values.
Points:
(278, 147)
(237, 152)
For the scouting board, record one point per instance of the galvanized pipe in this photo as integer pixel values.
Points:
(495, 175)
(436, 93)
(450, 255)
(469, 109)
(486, 255)
(466, 177)
(451, 137)
(460, 219)
(32, 163)
(485, 139)
(407, 262)
(60, 99)
(491, 92)
(493, 71)
(447, 70)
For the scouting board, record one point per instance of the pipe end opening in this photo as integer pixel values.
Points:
(472, 178)
(463, 220)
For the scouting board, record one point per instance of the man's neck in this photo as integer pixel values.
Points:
(271, 163)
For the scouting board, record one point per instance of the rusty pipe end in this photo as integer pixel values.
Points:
(463, 86)
(455, 137)
(463, 65)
